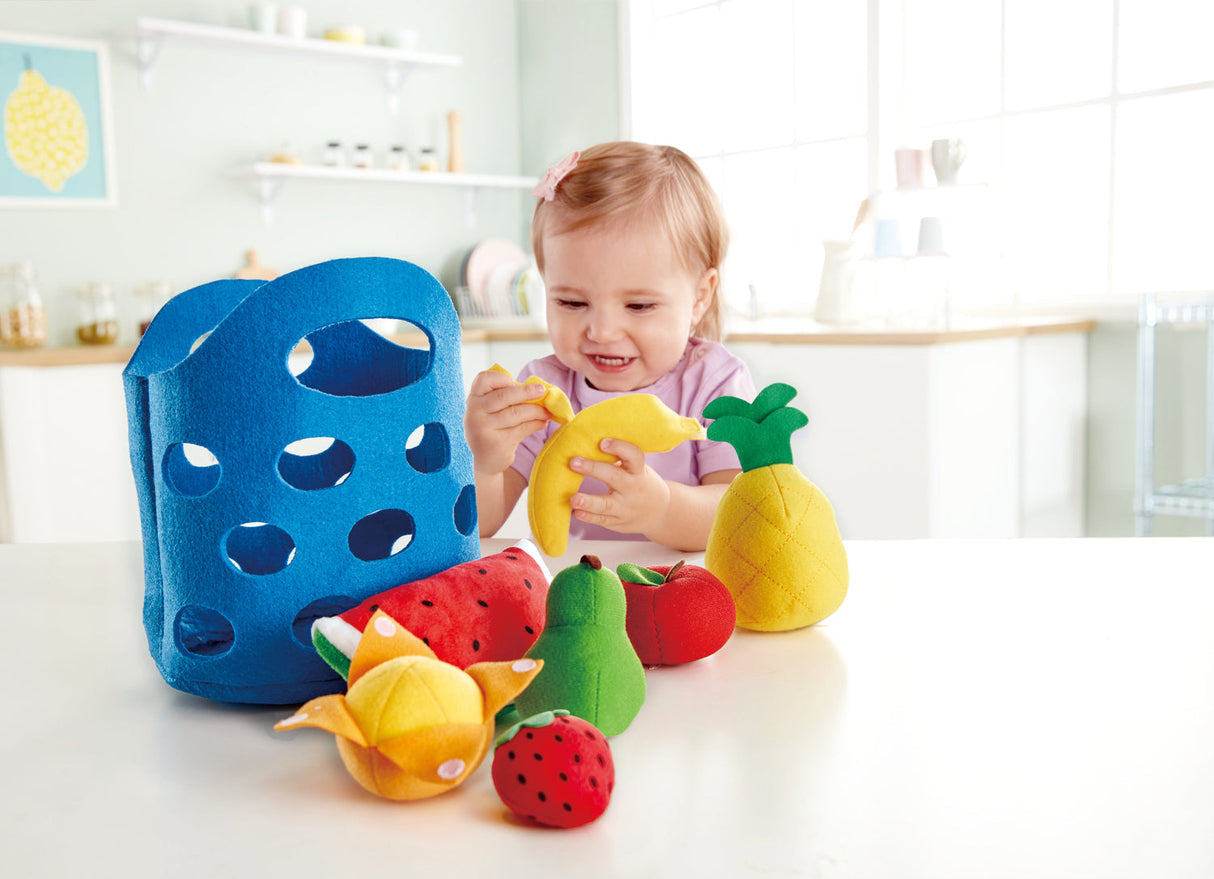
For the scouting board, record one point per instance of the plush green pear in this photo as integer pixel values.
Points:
(590, 666)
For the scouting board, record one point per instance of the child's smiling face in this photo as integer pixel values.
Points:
(620, 303)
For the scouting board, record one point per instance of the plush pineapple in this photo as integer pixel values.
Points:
(44, 130)
(774, 542)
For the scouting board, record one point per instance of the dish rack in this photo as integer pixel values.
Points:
(1193, 498)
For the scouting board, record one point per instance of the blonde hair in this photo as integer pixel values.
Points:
(647, 182)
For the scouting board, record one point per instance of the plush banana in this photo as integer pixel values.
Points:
(554, 399)
(640, 419)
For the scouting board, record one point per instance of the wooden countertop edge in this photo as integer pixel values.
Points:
(85, 355)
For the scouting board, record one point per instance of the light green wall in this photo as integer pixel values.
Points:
(570, 80)
(182, 218)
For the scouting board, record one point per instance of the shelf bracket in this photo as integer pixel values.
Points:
(147, 50)
(472, 201)
(395, 76)
(267, 191)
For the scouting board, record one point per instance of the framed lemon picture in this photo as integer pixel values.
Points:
(57, 124)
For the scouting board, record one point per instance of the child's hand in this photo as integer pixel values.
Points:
(497, 418)
(638, 499)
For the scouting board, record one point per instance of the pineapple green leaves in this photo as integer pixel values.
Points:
(761, 431)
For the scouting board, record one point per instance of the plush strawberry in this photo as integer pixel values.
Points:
(488, 610)
(554, 769)
(677, 613)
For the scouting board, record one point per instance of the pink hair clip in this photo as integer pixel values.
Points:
(546, 188)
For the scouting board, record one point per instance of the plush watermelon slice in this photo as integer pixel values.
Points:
(488, 610)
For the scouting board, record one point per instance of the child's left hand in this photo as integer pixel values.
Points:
(637, 499)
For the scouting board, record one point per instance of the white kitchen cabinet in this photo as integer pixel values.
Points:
(66, 468)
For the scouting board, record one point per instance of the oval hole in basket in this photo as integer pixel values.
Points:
(428, 449)
(203, 632)
(353, 359)
(190, 469)
(329, 606)
(316, 462)
(258, 548)
(465, 510)
(381, 535)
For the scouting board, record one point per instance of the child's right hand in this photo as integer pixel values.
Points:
(500, 413)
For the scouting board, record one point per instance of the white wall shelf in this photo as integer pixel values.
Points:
(396, 64)
(270, 177)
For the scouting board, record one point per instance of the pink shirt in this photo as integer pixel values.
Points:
(705, 372)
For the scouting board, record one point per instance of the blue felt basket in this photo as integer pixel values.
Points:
(269, 498)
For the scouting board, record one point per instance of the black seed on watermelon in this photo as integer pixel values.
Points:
(482, 602)
(567, 807)
(526, 582)
(543, 797)
(427, 603)
(373, 608)
(476, 645)
(482, 571)
(529, 630)
(522, 779)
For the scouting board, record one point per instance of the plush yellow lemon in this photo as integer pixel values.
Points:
(412, 726)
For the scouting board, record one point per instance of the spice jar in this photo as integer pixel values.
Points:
(335, 156)
(428, 161)
(149, 298)
(362, 156)
(398, 159)
(98, 316)
(22, 315)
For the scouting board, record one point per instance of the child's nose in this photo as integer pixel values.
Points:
(603, 326)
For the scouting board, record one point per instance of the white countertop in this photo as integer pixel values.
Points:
(975, 709)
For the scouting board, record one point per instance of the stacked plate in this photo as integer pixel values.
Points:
(498, 281)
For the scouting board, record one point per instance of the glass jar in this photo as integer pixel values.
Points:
(428, 161)
(335, 156)
(362, 156)
(398, 158)
(98, 315)
(22, 315)
(149, 297)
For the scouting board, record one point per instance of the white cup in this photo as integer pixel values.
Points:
(263, 17)
(931, 236)
(293, 21)
(910, 166)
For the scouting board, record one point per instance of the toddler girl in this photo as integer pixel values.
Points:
(629, 239)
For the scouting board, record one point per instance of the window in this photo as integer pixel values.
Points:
(1085, 181)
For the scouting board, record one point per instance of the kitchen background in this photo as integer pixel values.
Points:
(540, 77)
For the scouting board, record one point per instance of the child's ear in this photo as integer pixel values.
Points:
(706, 288)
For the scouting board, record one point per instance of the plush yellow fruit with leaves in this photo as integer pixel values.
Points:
(45, 130)
(774, 542)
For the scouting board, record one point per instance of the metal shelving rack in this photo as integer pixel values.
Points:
(1194, 497)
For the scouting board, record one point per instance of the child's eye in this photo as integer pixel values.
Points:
(570, 303)
(641, 307)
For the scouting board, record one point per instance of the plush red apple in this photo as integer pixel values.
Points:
(677, 613)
